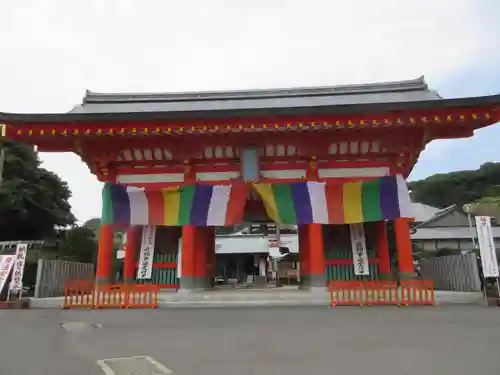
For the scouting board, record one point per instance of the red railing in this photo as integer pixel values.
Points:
(411, 292)
(348, 262)
(87, 294)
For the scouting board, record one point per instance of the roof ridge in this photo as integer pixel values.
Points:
(438, 215)
(417, 84)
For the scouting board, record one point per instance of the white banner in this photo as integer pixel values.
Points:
(16, 283)
(486, 246)
(6, 264)
(147, 252)
(179, 259)
(359, 255)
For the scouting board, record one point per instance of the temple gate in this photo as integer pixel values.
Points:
(323, 159)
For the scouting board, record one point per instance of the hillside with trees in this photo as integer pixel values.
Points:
(460, 188)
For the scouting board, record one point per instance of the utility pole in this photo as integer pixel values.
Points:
(3, 129)
(2, 161)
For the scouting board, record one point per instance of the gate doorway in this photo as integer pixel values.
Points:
(247, 258)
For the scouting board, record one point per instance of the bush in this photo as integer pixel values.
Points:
(29, 277)
(446, 251)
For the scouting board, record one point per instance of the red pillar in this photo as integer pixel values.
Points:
(314, 244)
(211, 255)
(404, 248)
(200, 258)
(382, 246)
(129, 269)
(186, 280)
(105, 253)
(316, 259)
(304, 254)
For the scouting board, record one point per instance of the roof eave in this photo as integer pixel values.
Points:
(13, 118)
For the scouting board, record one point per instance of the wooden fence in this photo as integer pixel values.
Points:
(52, 275)
(454, 272)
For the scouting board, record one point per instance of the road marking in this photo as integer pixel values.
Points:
(137, 365)
(77, 326)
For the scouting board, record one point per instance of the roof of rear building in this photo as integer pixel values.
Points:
(423, 212)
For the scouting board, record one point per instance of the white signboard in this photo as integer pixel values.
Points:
(6, 264)
(359, 255)
(273, 240)
(486, 246)
(274, 252)
(147, 251)
(16, 283)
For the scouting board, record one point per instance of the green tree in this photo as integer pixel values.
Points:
(78, 244)
(93, 224)
(487, 206)
(463, 187)
(33, 201)
(445, 251)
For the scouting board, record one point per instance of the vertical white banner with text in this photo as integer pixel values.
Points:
(16, 283)
(359, 255)
(179, 259)
(145, 268)
(6, 264)
(487, 246)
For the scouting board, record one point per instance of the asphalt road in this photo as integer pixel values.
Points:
(380, 341)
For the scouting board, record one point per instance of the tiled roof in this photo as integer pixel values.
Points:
(450, 233)
(386, 92)
(319, 101)
(423, 212)
(438, 215)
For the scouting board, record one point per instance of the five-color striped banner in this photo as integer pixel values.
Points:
(385, 198)
(199, 205)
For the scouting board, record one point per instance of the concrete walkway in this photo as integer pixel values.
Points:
(285, 296)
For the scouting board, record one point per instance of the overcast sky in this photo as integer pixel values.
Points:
(51, 51)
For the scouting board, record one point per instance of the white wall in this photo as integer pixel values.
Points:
(238, 244)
